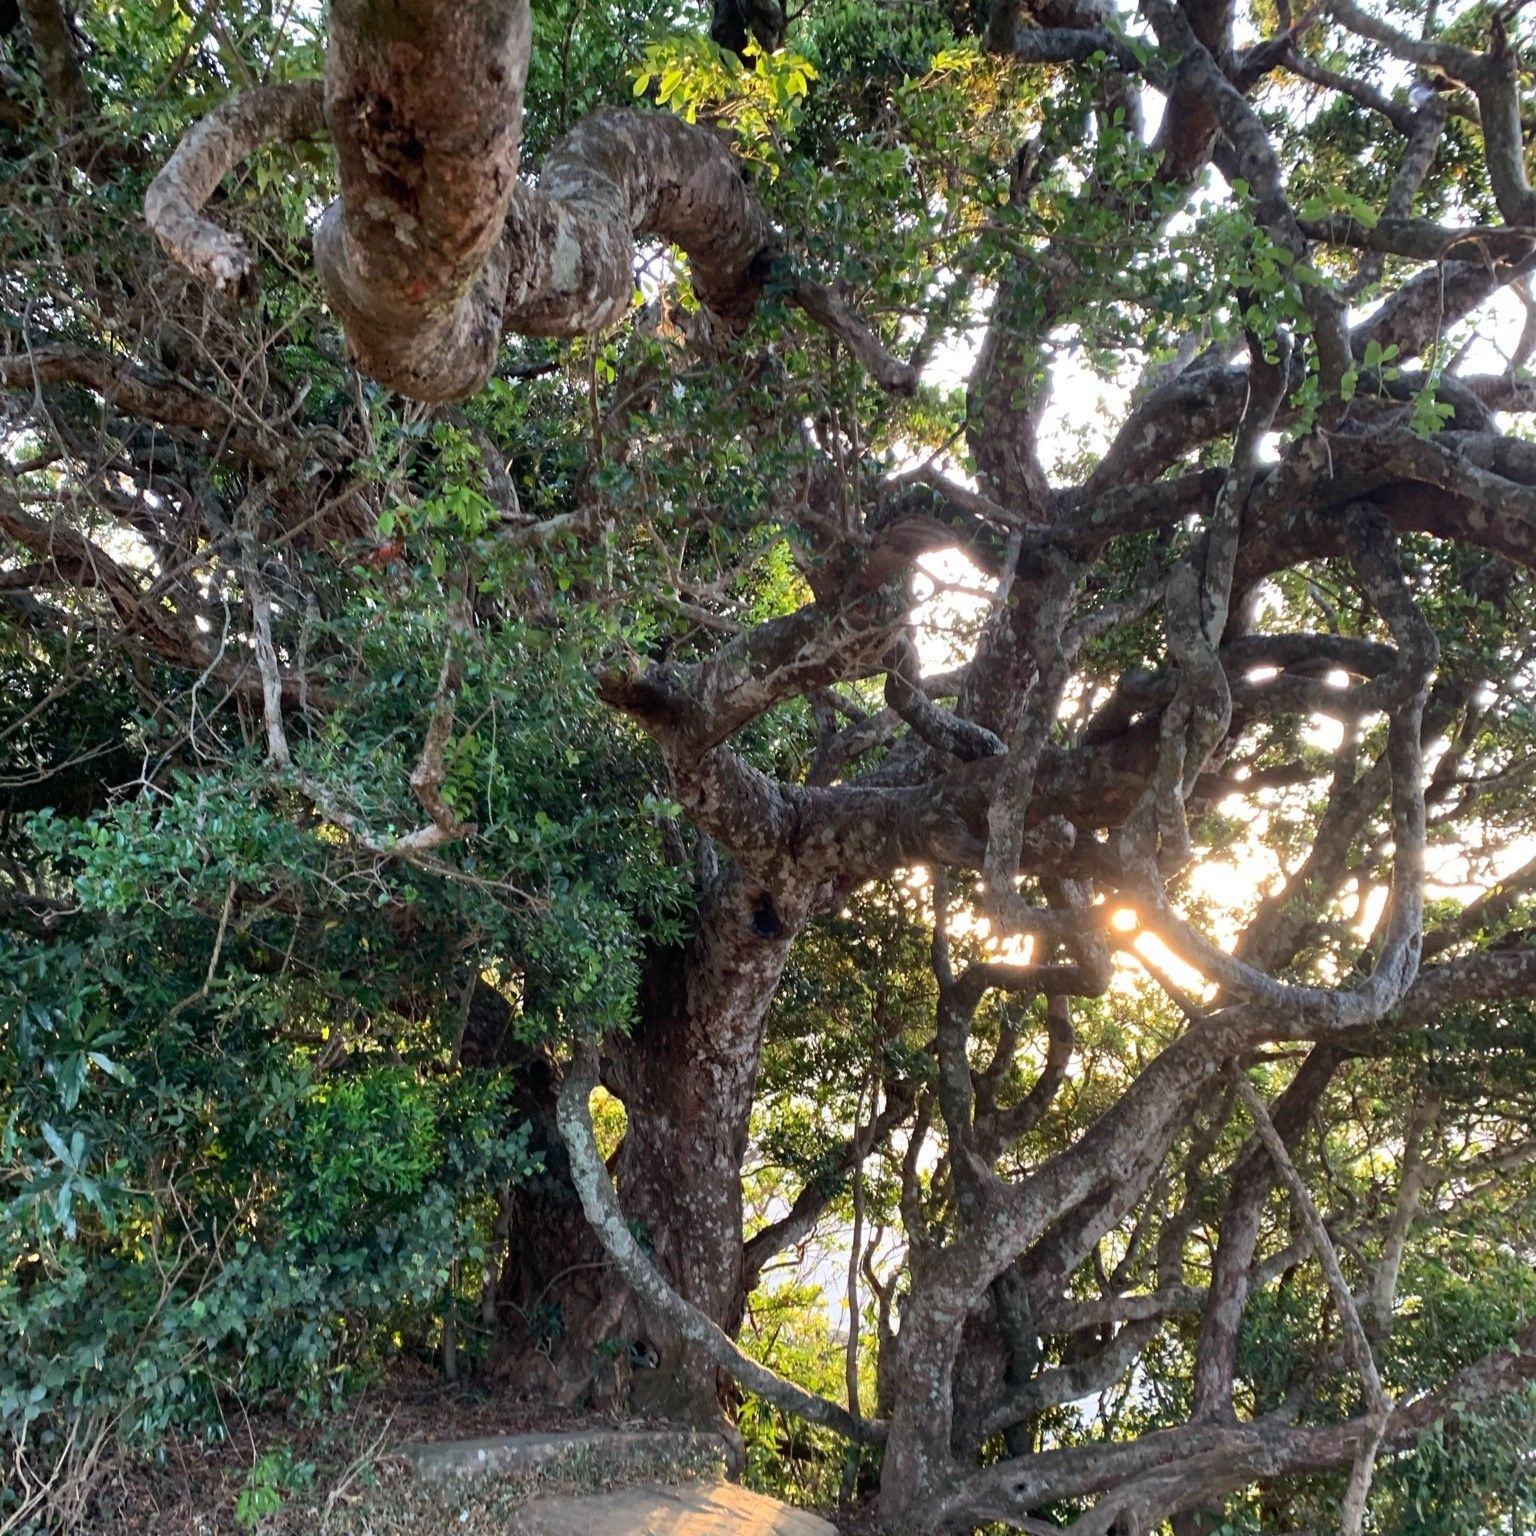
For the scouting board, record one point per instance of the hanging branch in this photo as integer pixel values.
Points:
(427, 777)
(434, 247)
(1378, 1403)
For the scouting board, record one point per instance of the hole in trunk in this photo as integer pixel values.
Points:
(766, 923)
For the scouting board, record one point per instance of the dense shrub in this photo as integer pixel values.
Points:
(196, 1206)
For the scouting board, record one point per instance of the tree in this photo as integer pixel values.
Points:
(543, 734)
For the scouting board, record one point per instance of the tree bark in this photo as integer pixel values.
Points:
(433, 247)
(687, 1078)
(423, 99)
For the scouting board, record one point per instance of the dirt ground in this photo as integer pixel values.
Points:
(278, 1474)
(336, 1476)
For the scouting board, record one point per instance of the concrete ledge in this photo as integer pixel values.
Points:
(584, 1457)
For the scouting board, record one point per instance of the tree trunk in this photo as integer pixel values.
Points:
(571, 1328)
(687, 1079)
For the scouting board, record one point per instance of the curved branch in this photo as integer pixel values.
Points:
(939, 727)
(1174, 1469)
(143, 392)
(212, 148)
(434, 248)
(1069, 1383)
(601, 1207)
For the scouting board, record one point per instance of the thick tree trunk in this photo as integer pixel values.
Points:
(687, 1079)
(571, 1328)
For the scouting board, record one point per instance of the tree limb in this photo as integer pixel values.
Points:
(601, 1207)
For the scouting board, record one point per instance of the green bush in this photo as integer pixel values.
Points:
(206, 1211)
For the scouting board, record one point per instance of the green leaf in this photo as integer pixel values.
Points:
(113, 1069)
(55, 1142)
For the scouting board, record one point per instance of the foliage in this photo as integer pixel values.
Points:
(215, 1206)
(274, 1475)
(286, 983)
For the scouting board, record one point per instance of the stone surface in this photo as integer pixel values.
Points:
(598, 1454)
(688, 1509)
